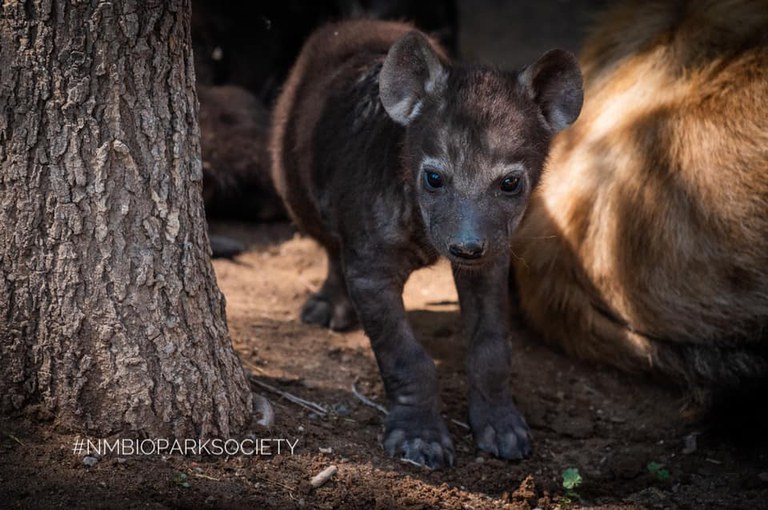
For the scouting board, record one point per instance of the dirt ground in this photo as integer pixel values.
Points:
(608, 425)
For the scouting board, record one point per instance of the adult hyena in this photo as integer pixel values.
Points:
(646, 244)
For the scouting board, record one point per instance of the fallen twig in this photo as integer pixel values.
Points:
(274, 483)
(14, 438)
(206, 477)
(383, 410)
(262, 406)
(312, 406)
(414, 463)
(460, 424)
(311, 287)
(251, 365)
(367, 401)
(323, 476)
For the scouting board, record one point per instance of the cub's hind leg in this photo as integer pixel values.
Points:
(330, 307)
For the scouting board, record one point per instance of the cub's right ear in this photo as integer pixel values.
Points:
(412, 71)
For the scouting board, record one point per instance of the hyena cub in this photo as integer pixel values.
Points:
(391, 156)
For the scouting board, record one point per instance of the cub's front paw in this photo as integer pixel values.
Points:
(499, 429)
(418, 436)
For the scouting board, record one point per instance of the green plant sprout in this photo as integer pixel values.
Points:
(658, 471)
(182, 480)
(571, 480)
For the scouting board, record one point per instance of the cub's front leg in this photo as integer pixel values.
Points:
(497, 425)
(414, 428)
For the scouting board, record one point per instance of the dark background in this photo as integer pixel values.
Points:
(244, 50)
(253, 44)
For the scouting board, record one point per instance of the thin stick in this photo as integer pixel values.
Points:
(14, 438)
(323, 476)
(263, 407)
(414, 463)
(367, 401)
(276, 484)
(312, 288)
(460, 424)
(206, 477)
(252, 366)
(312, 406)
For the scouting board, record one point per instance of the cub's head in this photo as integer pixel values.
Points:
(476, 140)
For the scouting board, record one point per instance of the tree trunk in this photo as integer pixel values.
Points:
(110, 317)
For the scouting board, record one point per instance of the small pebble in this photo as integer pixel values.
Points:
(325, 450)
(90, 461)
(689, 444)
(341, 409)
(479, 460)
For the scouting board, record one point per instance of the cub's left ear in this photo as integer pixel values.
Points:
(554, 83)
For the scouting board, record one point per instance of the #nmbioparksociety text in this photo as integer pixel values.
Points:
(162, 446)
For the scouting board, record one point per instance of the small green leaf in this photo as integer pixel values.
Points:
(658, 471)
(182, 479)
(571, 478)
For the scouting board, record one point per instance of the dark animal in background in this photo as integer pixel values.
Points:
(646, 246)
(390, 157)
(234, 128)
(234, 134)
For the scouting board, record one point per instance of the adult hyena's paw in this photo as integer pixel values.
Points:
(500, 429)
(323, 310)
(418, 436)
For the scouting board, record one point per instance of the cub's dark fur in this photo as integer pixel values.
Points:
(391, 156)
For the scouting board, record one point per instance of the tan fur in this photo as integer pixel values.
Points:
(646, 244)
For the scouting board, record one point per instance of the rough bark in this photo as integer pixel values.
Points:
(110, 317)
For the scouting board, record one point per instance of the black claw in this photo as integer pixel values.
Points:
(500, 430)
(450, 458)
(508, 447)
(392, 442)
(435, 457)
(419, 437)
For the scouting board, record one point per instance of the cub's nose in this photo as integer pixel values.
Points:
(467, 250)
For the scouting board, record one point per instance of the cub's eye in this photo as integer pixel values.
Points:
(433, 179)
(512, 185)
